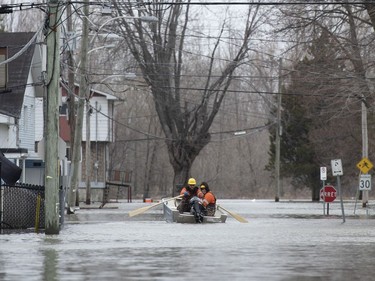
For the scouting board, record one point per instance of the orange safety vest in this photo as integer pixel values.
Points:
(209, 199)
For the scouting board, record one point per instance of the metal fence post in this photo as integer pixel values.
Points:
(62, 205)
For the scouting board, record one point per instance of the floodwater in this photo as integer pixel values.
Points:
(287, 240)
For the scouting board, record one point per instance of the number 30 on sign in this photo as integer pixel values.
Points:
(365, 182)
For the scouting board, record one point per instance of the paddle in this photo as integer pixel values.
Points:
(233, 214)
(145, 209)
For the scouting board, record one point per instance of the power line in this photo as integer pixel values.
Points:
(24, 48)
(154, 137)
(262, 92)
(268, 3)
(8, 8)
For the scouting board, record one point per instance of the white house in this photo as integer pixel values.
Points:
(101, 135)
(22, 69)
(20, 84)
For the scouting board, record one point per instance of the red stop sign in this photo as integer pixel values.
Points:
(328, 193)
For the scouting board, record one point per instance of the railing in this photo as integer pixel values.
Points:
(120, 176)
(116, 185)
(119, 193)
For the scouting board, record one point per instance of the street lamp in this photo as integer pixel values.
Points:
(127, 75)
(95, 49)
(141, 18)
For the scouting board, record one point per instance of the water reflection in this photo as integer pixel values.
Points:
(50, 264)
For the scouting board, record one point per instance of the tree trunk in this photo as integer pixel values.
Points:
(315, 193)
(181, 174)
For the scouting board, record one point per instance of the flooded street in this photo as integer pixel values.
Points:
(282, 241)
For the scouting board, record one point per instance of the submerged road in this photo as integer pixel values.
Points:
(288, 240)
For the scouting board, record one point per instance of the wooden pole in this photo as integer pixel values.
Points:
(364, 147)
(71, 102)
(52, 120)
(73, 195)
(341, 200)
(88, 153)
(277, 140)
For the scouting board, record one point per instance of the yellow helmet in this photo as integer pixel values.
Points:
(192, 181)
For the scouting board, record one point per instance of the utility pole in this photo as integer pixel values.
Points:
(52, 120)
(71, 87)
(278, 135)
(83, 87)
(364, 147)
(88, 153)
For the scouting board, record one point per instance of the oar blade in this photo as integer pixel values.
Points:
(234, 215)
(239, 218)
(139, 211)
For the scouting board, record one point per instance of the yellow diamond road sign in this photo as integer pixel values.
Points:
(365, 165)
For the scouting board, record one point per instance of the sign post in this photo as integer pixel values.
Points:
(323, 177)
(364, 166)
(337, 171)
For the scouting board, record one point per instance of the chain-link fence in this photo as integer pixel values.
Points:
(22, 207)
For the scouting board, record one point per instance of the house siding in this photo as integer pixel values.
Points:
(39, 123)
(99, 125)
(4, 141)
(8, 132)
(27, 120)
(98, 153)
(20, 123)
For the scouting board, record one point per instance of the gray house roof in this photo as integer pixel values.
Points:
(11, 98)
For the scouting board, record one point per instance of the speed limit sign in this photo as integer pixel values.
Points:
(365, 182)
(323, 173)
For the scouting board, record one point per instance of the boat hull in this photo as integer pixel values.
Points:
(171, 214)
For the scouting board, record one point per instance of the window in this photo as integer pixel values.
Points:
(68, 153)
(25, 117)
(3, 69)
(64, 109)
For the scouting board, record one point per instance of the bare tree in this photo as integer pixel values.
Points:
(160, 53)
(370, 8)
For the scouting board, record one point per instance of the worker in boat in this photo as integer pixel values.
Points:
(196, 209)
(188, 192)
(209, 200)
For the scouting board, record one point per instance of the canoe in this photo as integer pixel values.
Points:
(171, 214)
